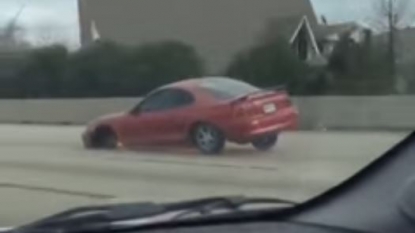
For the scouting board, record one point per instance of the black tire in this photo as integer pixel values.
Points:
(208, 139)
(105, 138)
(266, 142)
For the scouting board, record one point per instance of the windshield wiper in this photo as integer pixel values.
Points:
(119, 216)
(208, 206)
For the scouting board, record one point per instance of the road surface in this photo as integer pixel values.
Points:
(44, 169)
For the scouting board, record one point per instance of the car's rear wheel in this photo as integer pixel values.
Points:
(266, 142)
(208, 139)
(105, 138)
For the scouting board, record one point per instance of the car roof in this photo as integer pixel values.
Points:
(194, 83)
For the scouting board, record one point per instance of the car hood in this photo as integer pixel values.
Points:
(6, 229)
(111, 116)
(379, 198)
(107, 118)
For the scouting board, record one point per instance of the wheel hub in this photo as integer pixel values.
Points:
(205, 137)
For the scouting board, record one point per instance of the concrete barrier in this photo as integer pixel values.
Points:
(61, 111)
(331, 112)
(339, 112)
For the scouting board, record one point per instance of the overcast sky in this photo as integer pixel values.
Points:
(57, 20)
(358, 10)
(44, 20)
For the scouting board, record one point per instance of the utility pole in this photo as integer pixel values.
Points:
(392, 21)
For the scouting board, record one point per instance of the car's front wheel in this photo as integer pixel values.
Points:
(105, 138)
(266, 142)
(208, 139)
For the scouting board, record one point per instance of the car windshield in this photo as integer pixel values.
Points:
(225, 88)
(109, 101)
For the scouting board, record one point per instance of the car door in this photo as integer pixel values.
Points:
(175, 119)
(160, 117)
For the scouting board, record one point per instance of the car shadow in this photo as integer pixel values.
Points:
(229, 151)
(232, 157)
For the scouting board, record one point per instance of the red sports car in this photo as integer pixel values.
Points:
(203, 112)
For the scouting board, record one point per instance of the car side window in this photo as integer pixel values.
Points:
(166, 99)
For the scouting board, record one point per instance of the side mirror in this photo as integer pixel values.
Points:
(135, 111)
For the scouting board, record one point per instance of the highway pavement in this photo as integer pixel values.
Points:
(44, 169)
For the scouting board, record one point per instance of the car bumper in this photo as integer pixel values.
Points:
(246, 130)
(281, 126)
(86, 139)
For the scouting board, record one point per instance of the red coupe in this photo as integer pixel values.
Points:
(203, 112)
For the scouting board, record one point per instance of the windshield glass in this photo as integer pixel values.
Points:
(79, 127)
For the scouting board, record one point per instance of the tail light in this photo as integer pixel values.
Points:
(287, 102)
(284, 101)
(239, 110)
(257, 104)
(245, 110)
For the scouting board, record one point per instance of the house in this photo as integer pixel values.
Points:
(218, 29)
(329, 35)
(298, 30)
(311, 41)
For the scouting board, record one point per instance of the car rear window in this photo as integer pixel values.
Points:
(223, 89)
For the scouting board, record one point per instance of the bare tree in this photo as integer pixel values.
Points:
(48, 34)
(11, 34)
(390, 16)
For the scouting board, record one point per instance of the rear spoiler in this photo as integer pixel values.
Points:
(275, 88)
(267, 89)
(260, 91)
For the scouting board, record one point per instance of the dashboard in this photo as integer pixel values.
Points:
(260, 227)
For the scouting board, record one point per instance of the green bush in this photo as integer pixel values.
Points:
(156, 64)
(42, 73)
(102, 70)
(359, 69)
(95, 71)
(273, 64)
(107, 69)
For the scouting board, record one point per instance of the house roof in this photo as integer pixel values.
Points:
(121, 15)
(322, 31)
(216, 28)
(286, 26)
(281, 27)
